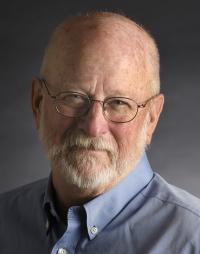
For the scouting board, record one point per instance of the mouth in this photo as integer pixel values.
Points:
(84, 148)
(87, 150)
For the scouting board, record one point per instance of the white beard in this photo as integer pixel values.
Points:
(79, 168)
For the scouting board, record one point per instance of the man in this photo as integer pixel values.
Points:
(96, 105)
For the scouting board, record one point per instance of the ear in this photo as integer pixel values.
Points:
(36, 100)
(155, 109)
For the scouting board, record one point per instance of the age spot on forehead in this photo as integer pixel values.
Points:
(96, 46)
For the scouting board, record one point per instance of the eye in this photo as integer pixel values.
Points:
(73, 99)
(118, 103)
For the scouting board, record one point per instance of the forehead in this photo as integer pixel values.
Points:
(84, 57)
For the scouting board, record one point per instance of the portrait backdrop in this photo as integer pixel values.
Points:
(25, 30)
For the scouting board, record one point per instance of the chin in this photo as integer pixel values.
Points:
(88, 175)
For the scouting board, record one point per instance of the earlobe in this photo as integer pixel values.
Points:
(36, 100)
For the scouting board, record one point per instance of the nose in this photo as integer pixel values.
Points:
(94, 123)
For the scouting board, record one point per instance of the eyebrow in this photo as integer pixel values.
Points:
(119, 93)
(71, 87)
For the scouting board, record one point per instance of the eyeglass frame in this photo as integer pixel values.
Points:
(55, 97)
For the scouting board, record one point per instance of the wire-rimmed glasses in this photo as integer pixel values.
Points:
(115, 109)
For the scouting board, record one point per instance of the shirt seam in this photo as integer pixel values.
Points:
(173, 203)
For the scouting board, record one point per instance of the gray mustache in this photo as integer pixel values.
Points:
(81, 141)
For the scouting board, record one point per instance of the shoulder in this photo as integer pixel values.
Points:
(168, 194)
(22, 217)
(174, 215)
(21, 197)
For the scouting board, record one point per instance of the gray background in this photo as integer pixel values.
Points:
(24, 32)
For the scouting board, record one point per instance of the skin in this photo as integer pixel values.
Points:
(101, 58)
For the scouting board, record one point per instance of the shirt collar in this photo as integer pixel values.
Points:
(101, 210)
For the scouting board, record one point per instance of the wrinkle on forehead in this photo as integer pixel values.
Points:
(112, 36)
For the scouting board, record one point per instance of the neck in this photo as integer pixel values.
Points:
(68, 195)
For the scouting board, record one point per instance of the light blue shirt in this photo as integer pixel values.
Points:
(143, 214)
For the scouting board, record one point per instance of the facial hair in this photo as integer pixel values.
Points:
(78, 165)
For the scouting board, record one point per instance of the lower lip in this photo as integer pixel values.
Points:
(90, 150)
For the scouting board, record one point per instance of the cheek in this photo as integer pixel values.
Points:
(125, 136)
(56, 124)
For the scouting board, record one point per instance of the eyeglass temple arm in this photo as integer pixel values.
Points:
(43, 81)
(143, 105)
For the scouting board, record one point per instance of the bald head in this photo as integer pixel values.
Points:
(110, 33)
(113, 62)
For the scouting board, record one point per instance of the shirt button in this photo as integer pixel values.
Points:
(94, 230)
(47, 225)
(62, 251)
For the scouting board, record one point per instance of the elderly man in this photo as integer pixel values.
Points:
(96, 105)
